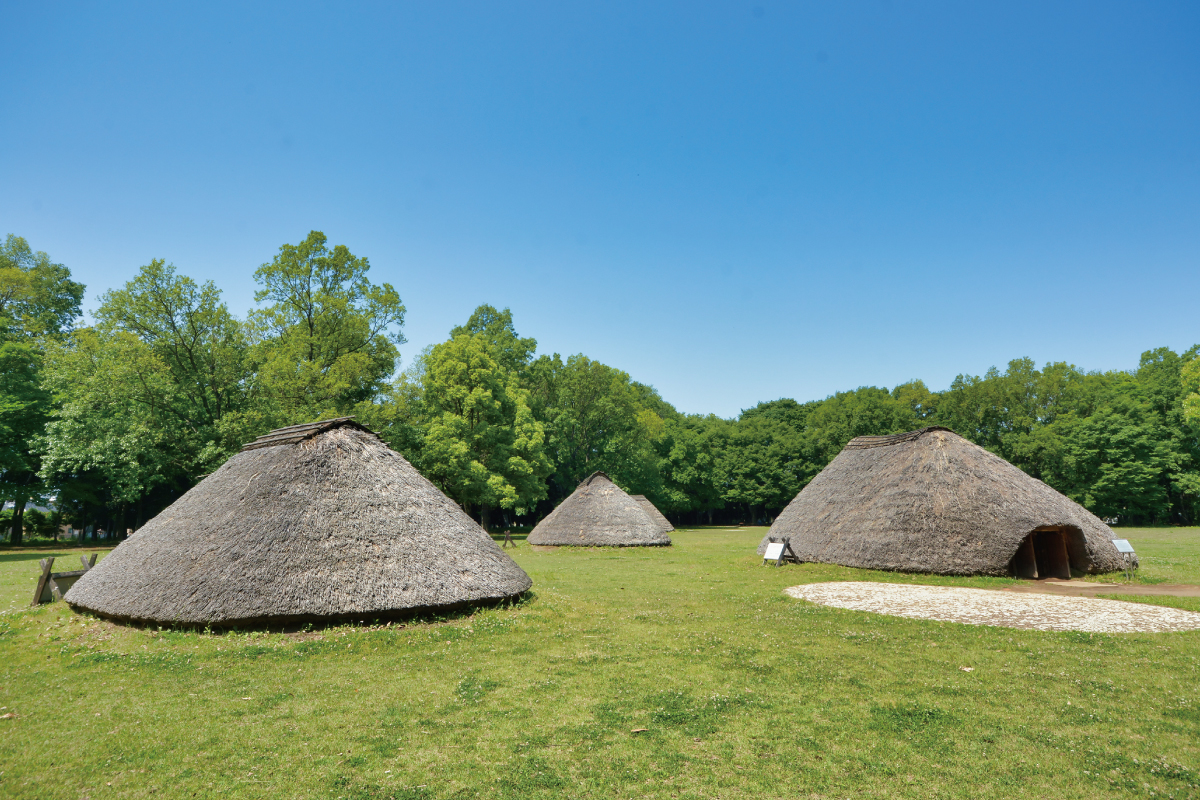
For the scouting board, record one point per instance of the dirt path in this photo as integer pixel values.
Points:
(1034, 610)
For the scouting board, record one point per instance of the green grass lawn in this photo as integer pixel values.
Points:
(1167, 555)
(742, 692)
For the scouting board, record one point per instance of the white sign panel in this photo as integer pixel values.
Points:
(774, 551)
(1123, 545)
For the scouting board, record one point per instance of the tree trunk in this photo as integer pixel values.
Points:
(483, 518)
(17, 532)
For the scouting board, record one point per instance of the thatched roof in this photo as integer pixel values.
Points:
(930, 501)
(312, 522)
(654, 513)
(598, 514)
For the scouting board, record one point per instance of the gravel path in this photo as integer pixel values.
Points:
(987, 607)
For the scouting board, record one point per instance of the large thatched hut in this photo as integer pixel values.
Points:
(930, 501)
(598, 514)
(313, 522)
(653, 512)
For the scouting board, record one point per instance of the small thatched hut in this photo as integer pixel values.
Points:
(598, 514)
(930, 501)
(653, 512)
(313, 522)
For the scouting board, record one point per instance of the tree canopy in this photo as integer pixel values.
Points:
(119, 418)
(328, 340)
(39, 304)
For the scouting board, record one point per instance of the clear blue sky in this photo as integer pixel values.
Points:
(732, 201)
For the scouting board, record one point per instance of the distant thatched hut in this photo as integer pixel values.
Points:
(653, 512)
(598, 514)
(313, 522)
(930, 501)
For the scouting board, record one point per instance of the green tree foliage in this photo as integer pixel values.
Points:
(481, 443)
(1116, 442)
(37, 296)
(763, 463)
(38, 305)
(328, 340)
(1190, 384)
(691, 465)
(512, 352)
(168, 384)
(868, 411)
(596, 419)
(156, 392)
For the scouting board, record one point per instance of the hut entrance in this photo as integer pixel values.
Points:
(1044, 553)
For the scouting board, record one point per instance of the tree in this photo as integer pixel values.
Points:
(765, 461)
(156, 394)
(1161, 379)
(38, 304)
(867, 411)
(399, 415)
(116, 422)
(512, 352)
(1190, 384)
(199, 350)
(37, 296)
(690, 464)
(596, 419)
(482, 445)
(328, 340)
(1117, 442)
(1115, 460)
(918, 398)
(24, 406)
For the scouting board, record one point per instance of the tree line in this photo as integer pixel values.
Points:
(117, 419)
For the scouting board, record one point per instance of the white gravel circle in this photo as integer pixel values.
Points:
(1041, 612)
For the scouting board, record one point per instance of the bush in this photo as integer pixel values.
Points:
(36, 524)
(39, 524)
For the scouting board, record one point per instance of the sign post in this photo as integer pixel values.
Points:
(780, 551)
(1126, 550)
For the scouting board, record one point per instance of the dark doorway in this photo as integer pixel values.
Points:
(1043, 553)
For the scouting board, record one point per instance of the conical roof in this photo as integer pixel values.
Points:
(313, 522)
(598, 514)
(930, 501)
(652, 511)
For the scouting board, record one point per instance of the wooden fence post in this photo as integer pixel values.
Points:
(47, 564)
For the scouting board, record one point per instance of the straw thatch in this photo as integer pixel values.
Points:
(930, 501)
(313, 522)
(598, 514)
(652, 511)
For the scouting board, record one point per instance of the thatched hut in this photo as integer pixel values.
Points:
(930, 501)
(598, 514)
(313, 522)
(653, 512)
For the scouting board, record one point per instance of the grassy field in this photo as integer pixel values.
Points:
(733, 689)
(1167, 555)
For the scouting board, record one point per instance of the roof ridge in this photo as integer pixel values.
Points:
(588, 480)
(864, 442)
(294, 434)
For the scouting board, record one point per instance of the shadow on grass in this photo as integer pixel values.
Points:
(513, 536)
(57, 552)
(302, 625)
